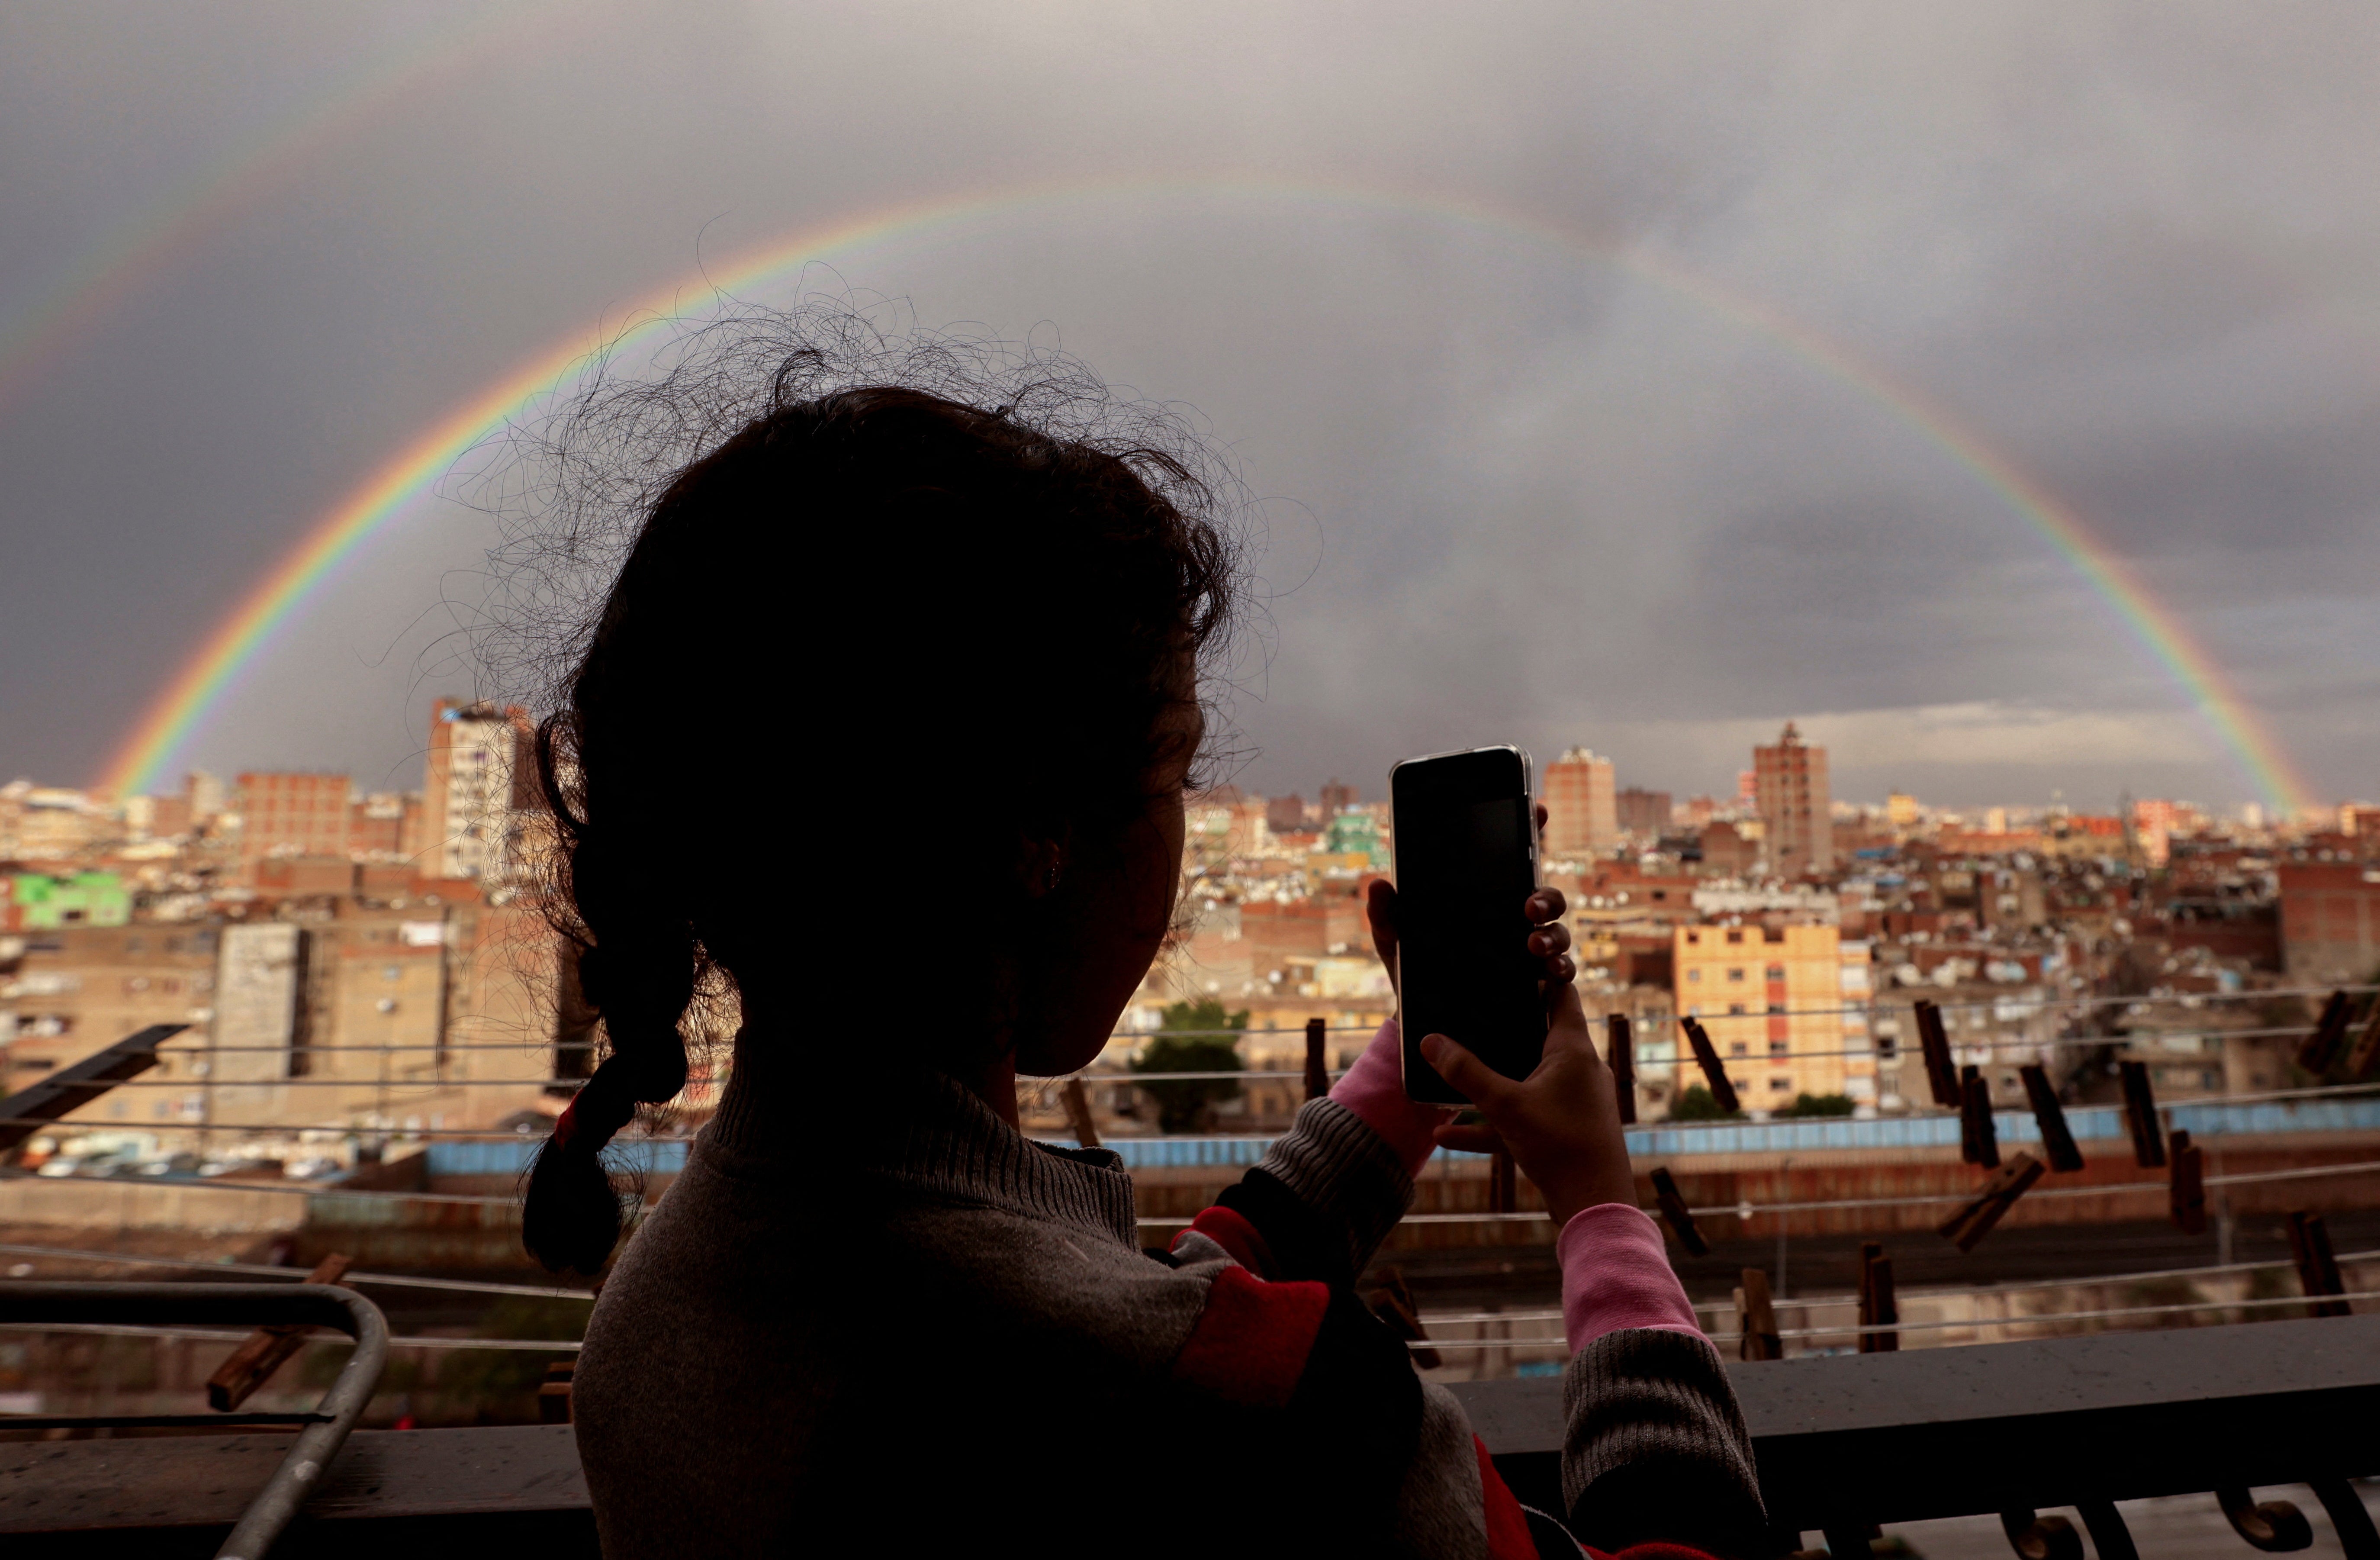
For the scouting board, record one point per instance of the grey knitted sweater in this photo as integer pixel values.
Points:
(944, 1339)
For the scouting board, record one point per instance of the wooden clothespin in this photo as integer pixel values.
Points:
(1318, 1065)
(1395, 1305)
(2317, 1266)
(2189, 1184)
(267, 1349)
(1619, 1054)
(1934, 1043)
(1967, 1228)
(1078, 1112)
(2366, 1048)
(554, 1393)
(2056, 1136)
(1979, 1142)
(1673, 1209)
(1757, 1319)
(2140, 1114)
(1503, 1194)
(2321, 1046)
(1714, 1070)
(1878, 1308)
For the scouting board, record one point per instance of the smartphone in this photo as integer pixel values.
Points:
(1465, 846)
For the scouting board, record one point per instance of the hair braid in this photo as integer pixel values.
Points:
(639, 973)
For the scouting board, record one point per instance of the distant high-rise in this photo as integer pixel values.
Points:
(2155, 822)
(1901, 810)
(207, 798)
(1585, 817)
(291, 815)
(479, 783)
(1642, 811)
(1337, 797)
(1796, 807)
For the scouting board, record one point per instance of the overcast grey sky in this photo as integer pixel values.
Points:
(1515, 491)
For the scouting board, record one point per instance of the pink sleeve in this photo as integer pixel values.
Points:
(1616, 1275)
(1374, 1089)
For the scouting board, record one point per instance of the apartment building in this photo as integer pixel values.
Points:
(1773, 1000)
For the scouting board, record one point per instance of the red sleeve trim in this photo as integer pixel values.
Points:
(1652, 1552)
(1234, 1233)
(1508, 1527)
(1252, 1341)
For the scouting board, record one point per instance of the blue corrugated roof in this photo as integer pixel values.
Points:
(2203, 1121)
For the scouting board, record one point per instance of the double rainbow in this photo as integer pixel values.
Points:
(146, 752)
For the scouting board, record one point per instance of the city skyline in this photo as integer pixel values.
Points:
(185, 796)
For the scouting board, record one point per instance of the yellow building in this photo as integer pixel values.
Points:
(1773, 1000)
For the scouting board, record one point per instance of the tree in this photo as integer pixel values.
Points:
(1818, 1104)
(1183, 1106)
(1696, 1105)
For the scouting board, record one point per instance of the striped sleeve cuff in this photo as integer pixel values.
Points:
(1326, 1195)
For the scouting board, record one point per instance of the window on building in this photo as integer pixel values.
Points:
(1778, 1085)
(1736, 935)
(1735, 977)
(1777, 1009)
(1739, 1048)
(1777, 972)
(1887, 1046)
(1735, 1009)
(393, 972)
(1780, 1048)
(1694, 977)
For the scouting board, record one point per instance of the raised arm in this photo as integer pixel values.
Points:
(1655, 1448)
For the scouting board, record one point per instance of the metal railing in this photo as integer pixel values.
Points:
(1843, 1443)
(1846, 1443)
(320, 1434)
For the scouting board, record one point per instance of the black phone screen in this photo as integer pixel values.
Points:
(1465, 844)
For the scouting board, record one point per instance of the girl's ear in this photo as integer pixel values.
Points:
(1040, 864)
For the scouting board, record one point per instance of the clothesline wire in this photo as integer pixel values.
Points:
(296, 1275)
(1738, 1209)
(1922, 1295)
(122, 1259)
(1895, 1003)
(1748, 1210)
(196, 1042)
(211, 1334)
(568, 1346)
(1467, 1345)
(406, 1134)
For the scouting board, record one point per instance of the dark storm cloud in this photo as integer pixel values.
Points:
(1519, 492)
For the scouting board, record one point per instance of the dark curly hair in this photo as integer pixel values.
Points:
(875, 630)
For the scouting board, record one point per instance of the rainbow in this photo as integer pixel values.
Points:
(170, 229)
(173, 714)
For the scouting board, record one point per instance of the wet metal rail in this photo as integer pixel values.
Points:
(320, 1434)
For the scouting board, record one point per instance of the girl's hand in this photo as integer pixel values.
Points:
(1561, 1123)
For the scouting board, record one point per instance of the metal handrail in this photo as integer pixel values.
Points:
(319, 1305)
